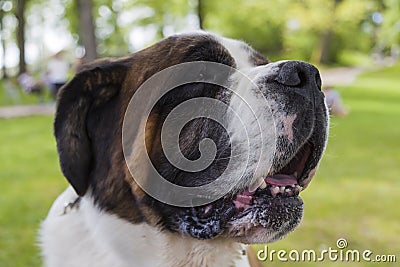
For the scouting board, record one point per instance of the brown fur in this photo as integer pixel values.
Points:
(89, 120)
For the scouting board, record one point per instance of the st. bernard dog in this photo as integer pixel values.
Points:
(105, 219)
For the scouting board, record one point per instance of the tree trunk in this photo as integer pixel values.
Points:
(325, 56)
(87, 29)
(3, 45)
(200, 13)
(20, 15)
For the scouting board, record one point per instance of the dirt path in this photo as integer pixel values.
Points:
(340, 76)
(330, 77)
(26, 110)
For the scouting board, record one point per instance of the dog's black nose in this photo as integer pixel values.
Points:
(299, 74)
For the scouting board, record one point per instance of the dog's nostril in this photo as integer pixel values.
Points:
(289, 74)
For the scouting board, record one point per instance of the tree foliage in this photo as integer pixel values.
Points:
(258, 22)
(389, 32)
(312, 30)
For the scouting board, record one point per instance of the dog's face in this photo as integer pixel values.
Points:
(261, 203)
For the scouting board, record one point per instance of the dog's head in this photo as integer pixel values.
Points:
(273, 127)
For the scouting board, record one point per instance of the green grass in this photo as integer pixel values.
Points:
(30, 180)
(355, 194)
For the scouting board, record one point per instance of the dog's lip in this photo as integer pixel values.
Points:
(275, 216)
(262, 200)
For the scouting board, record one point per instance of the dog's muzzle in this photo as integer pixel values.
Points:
(270, 206)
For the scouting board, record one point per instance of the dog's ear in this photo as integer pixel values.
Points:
(92, 87)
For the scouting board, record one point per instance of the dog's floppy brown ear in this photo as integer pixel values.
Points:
(90, 88)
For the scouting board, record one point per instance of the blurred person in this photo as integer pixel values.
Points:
(57, 72)
(335, 102)
(31, 86)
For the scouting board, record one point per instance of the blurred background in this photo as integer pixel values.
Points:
(355, 43)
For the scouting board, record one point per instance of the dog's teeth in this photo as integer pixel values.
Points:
(256, 184)
(207, 209)
(298, 187)
(295, 174)
(274, 190)
(282, 189)
(289, 192)
(263, 184)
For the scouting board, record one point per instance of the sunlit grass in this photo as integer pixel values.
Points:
(30, 181)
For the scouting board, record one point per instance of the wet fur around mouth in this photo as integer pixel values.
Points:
(226, 219)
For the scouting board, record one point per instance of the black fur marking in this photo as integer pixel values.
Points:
(89, 89)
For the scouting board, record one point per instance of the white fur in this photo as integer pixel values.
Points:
(237, 51)
(249, 102)
(253, 131)
(88, 237)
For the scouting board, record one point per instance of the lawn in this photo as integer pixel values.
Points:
(30, 180)
(355, 194)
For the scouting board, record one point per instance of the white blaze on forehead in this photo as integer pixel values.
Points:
(238, 51)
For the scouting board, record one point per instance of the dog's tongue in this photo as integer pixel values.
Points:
(281, 180)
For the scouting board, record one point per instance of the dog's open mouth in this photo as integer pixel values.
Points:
(270, 208)
(287, 182)
(271, 203)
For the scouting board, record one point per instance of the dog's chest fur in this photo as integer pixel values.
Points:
(92, 238)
